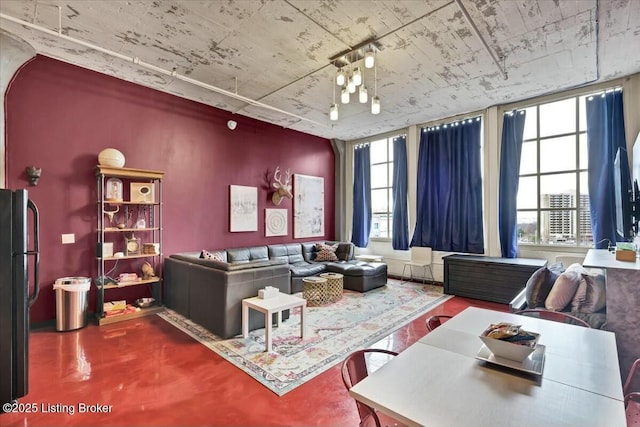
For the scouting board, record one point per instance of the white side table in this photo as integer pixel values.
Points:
(268, 306)
(369, 258)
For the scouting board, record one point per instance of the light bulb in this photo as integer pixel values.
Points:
(369, 59)
(362, 95)
(375, 105)
(333, 112)
(340, 77)
(357, 76)
(351, 85)
(344, 97)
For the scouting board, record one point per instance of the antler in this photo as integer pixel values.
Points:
(276, 178)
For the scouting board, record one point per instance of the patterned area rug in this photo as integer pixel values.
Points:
(333, 331)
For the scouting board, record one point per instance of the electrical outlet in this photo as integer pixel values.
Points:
(68, 238)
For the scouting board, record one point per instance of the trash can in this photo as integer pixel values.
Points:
(72, 302)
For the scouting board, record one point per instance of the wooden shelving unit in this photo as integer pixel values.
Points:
(129, 212)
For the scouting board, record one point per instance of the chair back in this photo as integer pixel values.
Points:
(354, 370)
(421, 255)
(435, 321)
(626, 388)
(556, 316)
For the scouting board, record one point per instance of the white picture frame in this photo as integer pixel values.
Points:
(308, 206)
(142, 192)
(276, 222)
(243, 208)
(107, 249)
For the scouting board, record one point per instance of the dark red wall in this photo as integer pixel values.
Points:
(59, 117)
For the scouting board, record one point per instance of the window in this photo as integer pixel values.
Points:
(381, 185)
(553, 193)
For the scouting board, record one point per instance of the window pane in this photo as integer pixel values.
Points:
(586, 235)
(582, 108)
(531, 123)
(558, 227)
(558, 117)
(584, 157)
(528, 158)
(379, 200)
(379, 176)
(527, 227)
(558, 154)
(391, 149)
(528, 193)
(379, 226)
(558, 191)
(379, 151)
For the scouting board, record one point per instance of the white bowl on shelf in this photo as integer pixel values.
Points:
(510, 350)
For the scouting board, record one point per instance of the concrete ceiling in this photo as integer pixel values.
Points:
(431, 64)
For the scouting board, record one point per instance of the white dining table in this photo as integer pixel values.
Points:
(439, 382)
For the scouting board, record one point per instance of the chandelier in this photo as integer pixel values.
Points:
(350, 76)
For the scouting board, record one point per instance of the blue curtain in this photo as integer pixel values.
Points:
(361, 196)
(449, 189)
(400, 236)
(605, 134)
(512, 132)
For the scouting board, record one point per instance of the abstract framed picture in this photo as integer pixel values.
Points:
(308, 206)
(275, 222)
(243, 208)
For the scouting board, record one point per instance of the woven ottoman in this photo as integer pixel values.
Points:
(314, 290)
(335, 286)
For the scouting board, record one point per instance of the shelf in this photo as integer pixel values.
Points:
(113, 258)
(127, 202)
(115, 229)
(122, 317)
(128, 172)
(131, 283)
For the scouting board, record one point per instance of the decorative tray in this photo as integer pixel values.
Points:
(532, 364)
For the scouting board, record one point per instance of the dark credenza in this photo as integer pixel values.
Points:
(488, 278)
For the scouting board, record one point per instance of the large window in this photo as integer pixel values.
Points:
(381, 184)
(553, 195)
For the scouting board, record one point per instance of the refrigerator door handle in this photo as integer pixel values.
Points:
(35, 252)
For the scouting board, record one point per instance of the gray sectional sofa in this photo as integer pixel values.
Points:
(210, 292)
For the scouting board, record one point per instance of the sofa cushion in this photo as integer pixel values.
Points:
(538, 287)
(291, 253)
(326, 252)
(255, 253)
(215, 256)
(563, 290)
(304, 269)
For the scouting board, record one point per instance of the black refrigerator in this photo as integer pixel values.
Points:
(19, 237)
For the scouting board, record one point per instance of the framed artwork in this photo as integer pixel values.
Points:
(113, 190)
(308, 206)
(243, 208)
(275, 222)
(141, 192)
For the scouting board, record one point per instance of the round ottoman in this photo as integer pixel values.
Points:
(334, 286)
(314, 290)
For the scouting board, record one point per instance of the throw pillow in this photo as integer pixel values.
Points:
(214, 256)
(538, 287)
(326, 252)
(563, 290)
(591, 295)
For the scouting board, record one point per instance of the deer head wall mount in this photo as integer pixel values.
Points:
(282, 189)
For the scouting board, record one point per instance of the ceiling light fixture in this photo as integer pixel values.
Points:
(333, 110)
(375, 101)
(369, 58)
(350, 75)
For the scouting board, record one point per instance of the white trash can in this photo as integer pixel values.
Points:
(72, 302)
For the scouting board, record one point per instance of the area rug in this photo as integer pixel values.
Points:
(333, 331)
